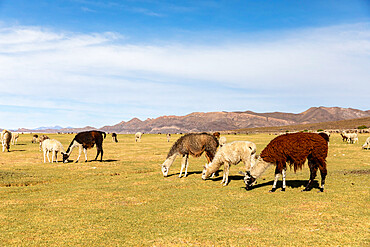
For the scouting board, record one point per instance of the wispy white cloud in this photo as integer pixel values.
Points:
(102, 74)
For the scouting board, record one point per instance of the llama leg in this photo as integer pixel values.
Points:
(101, 154)
(44, 156)
(56, 157)
(226, 173)
(284, 182)
(323, 173)
(52, 156)
(277, 175)
(79, 153)
(183, 161)
(186, 165)
(97, 152)
(313, 171)
(85, 152)
(47, 155)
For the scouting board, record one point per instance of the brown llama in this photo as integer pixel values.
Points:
(85, 140)
(114, 137)
(194, 144)
(293, 149)
(344, 137)
(217, 134)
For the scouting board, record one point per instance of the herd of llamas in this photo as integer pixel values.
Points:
(290, 148)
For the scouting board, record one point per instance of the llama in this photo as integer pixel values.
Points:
(222, 141)
(217, 135)
(6, 137)
(352, 138)
(54, 146)
(367, 143)
(349, 137)
(231, 154)
(295, 149)
(41, 139)
(114, 137)
(34, 138)
(85, 140)
(15, 137)
(168, 137)
(138, 136)
(194, 144)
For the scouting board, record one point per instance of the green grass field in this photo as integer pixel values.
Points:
(125, 201)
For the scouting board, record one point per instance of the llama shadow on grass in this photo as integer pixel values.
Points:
(231, 177)
(189, 173)
(289, 183)
(17, 150)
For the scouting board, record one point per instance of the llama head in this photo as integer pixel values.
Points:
(205, 174)
(165, 170)
(249, 180)
(65, 157)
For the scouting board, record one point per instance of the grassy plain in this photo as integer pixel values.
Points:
(125, 201)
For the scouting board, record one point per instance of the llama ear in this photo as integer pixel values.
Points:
(242, 173)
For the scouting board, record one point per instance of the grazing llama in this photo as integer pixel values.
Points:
(34, 138)
(168, 137)
(138, 136)
(85, 140)
(15, 137)
(54, 146)
(293, 149)
(6, 137)
(114, 137)
(190, 144)
(231, 154)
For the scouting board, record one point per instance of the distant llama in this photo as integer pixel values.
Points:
(194, 144)
(114, 137)
(41, 139)
(6, 137)
(138, 136)
(34, 138)
(15, 137)
(293, 149)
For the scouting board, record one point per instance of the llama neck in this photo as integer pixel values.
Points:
(168, 162)
(214, 166)
(73, 144)
(259, 168)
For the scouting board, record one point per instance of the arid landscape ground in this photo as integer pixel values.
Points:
(126, 201)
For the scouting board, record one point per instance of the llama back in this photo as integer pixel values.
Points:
(294, 148)
(194, 144)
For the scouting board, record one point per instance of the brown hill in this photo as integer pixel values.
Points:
(225, 121)
(221, 121)
(332, 125)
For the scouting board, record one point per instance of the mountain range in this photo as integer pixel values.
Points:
(222, 121)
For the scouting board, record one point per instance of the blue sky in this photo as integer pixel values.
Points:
(87, 62)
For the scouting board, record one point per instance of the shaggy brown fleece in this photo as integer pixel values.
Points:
(195, 144)
(295, 149)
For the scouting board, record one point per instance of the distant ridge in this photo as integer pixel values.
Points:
(223, 121)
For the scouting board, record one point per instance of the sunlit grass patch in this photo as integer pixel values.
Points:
(126, 201)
